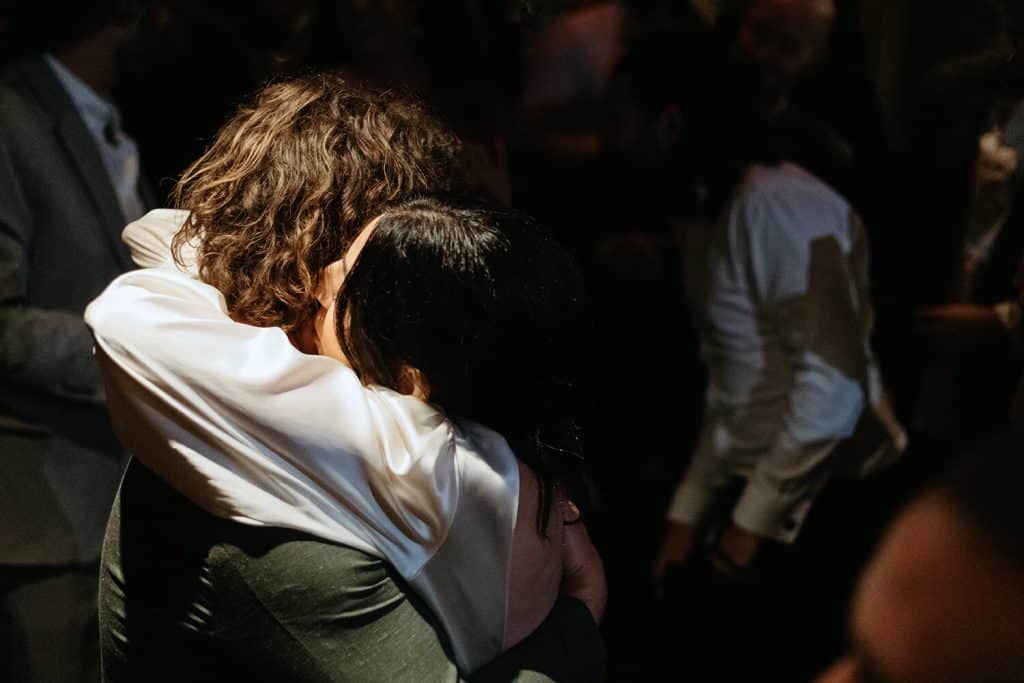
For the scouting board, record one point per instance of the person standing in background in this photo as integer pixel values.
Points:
(775, 267)
(69, 181)
(972, 338)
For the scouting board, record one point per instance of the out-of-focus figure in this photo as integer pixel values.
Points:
(573, 58)
(962, 66)
(775, 263)
(69, 181)
(783, 41)
(968, 382)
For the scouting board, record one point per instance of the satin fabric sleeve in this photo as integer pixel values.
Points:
(149, 240)
(271, 435)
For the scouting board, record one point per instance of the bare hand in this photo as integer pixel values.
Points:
(675, 548)
(996, 163)
(583, 570)
(960, 326)
(739, 547)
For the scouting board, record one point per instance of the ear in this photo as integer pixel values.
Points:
(669, 127)
(331, 278)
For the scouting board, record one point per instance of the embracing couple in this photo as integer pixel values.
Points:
(350, 402)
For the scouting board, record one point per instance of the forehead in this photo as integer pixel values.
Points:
(935, 601)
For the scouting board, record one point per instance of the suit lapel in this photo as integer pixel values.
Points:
(82, 151)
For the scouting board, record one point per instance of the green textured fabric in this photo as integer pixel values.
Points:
(185, 596)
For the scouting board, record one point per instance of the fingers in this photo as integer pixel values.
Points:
(736, 550)
(570, 513)
(996, 162)
(675, 550)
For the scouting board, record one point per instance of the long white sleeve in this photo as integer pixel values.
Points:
(255, 401)
(149, 241)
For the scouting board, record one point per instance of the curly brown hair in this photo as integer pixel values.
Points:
(292, 178)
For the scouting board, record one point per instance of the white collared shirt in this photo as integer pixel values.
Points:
(780, 297)
(120, 157)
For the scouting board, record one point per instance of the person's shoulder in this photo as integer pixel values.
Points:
(785, 182)
(786, 194)
(20, 112)
(487, 450)
(15, 108)
(776, 207)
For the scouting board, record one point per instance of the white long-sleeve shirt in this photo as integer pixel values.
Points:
(780, 297)
(253, 430)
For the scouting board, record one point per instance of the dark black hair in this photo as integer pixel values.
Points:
(985, 489)
(490, 310)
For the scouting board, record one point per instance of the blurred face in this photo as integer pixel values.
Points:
(635, 137)
(934, 606)
(130, 39)
(626, 132)
(785, 39)
(333, 276)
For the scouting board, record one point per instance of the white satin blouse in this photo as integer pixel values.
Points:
(253, 430)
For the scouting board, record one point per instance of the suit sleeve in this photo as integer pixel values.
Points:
(44, 354)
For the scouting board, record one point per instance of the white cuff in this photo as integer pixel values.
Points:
(706, 478)
(765, 511)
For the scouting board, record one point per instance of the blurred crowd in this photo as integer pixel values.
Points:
(799, 225)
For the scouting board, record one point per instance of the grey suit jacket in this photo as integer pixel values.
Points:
(60, 245)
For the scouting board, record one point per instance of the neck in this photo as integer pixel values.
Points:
(94, 60)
